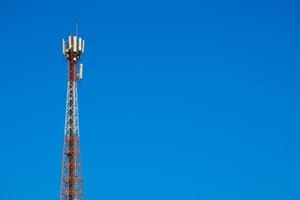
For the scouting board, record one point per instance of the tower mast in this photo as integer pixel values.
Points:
(71, 175)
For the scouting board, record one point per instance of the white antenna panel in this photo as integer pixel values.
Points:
(63, 46)
(82, 46)
(75, 43)
(79, 45)
(80, 71)
(70, 42)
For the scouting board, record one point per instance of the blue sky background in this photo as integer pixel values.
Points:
(182, 100)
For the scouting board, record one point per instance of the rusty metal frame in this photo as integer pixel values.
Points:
(71, 174)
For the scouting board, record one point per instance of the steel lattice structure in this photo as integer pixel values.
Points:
(71, 177)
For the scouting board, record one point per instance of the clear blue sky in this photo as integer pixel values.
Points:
(181, 100)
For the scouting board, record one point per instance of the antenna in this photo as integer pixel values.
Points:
(76, 29)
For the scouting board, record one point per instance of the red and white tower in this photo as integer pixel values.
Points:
(71, 176)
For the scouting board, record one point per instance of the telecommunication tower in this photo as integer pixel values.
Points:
(71, 175)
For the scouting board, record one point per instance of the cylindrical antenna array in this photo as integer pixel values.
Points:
(72, 51)
(75, 44)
